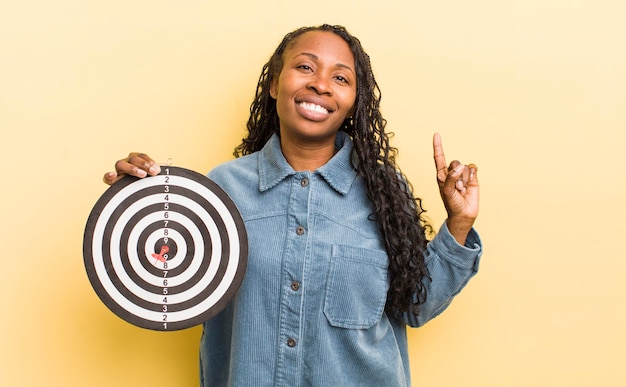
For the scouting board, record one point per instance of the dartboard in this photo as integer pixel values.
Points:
(165, 252)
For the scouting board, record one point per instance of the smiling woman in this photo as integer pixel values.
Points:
(315, 94)
(340, 260)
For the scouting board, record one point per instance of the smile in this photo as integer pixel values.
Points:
(311, 107)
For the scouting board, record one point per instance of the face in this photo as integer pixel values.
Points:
(316, 88)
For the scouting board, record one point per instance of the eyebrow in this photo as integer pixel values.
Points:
(315, 57)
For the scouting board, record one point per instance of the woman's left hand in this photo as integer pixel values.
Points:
(458, 186)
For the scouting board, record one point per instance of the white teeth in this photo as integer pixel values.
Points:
(314, 108)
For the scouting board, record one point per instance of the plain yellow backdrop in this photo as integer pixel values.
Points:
(532, 91)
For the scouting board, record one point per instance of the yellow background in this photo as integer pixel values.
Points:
(533, 91)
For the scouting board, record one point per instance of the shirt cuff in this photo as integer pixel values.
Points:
(446, 247)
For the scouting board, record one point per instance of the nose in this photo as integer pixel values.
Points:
(320, 84)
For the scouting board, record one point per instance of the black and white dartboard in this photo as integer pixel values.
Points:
(165, 252)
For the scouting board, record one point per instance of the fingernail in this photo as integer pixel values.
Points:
(459, 168)
(155, 169)
(140, 173)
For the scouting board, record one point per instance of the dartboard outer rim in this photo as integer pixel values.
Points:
(129, 316)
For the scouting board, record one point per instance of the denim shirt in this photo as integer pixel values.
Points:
(311, 308)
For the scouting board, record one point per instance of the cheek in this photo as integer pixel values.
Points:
(350, 100)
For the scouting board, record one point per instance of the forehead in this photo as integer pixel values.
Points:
(323, 44)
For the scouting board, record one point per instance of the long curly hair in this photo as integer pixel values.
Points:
(400, 216)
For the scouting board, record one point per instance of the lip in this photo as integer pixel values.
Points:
(313, 115)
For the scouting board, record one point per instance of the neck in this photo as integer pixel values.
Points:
(307, 155)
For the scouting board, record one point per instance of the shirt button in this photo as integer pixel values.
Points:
(304, 182)
(300, 230)
(295, 286)
(291, 342)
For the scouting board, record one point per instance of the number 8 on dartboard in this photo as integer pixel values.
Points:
(165, 252)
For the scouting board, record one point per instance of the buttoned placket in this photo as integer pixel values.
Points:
(296, 253)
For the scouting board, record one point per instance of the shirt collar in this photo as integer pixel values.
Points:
(338, 171)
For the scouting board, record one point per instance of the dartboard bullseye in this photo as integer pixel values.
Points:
(165, 252)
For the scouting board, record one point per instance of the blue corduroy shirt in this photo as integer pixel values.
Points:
(311, 308)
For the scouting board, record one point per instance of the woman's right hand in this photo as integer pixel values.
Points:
(136, 164)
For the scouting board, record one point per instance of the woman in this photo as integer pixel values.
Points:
(340, 258)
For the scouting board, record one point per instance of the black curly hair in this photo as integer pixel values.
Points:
(399, 215)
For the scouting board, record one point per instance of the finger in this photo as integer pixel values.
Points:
(450, 185)
(443, 174)
(145, 163)
(123, 167)
(137, 164)
(458, 173)
(463, 180)
(111, 177)
(440, 158)
(473, 176)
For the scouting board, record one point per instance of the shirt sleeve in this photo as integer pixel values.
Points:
(450, 266)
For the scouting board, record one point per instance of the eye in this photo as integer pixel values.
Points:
(342, 79)
(304, 67)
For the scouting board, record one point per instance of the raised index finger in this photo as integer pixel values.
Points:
(440, 158)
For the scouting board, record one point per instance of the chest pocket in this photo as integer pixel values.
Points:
(356, 290)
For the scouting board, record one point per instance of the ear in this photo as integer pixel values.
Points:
(274, 88)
